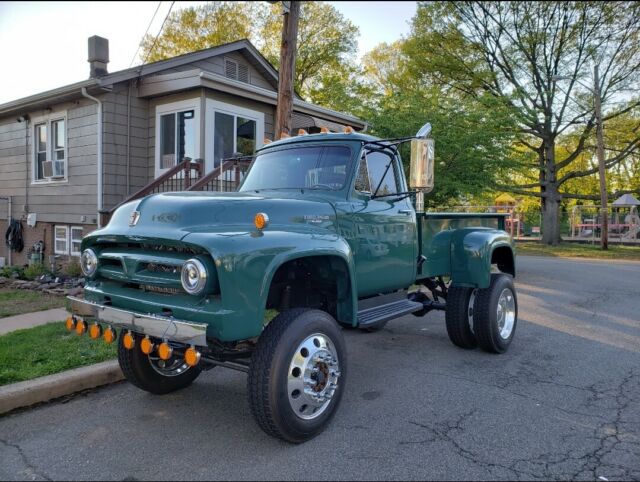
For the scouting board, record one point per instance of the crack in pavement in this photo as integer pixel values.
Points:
(29, 466)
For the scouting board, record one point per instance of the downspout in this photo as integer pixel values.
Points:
(129, 138)
(97, 101)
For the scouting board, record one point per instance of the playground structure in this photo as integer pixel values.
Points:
(624, 222)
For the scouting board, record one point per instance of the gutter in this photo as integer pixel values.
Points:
(99, 182)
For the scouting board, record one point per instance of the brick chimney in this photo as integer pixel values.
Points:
(98, 56)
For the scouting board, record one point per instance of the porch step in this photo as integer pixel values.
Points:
(387, 312)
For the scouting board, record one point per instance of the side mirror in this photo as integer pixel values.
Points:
(421, 176)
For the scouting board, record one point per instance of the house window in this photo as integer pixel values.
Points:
(50, 150)
(61, 241)
(231, 130)
(177, 134)
(76, 239)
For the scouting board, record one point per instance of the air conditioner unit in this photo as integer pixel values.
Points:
(53, 169)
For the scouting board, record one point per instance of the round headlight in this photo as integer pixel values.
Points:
(89, 262)
(194, 277)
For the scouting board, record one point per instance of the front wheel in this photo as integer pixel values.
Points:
(297, 374)
(496, 314)
(151, 374)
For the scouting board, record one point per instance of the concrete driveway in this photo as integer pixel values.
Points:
(563, 403)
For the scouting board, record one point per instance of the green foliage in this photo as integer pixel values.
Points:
(8, 271)
(47, 349)
(73, 269)
(33, 271)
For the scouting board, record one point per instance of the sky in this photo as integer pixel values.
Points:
(43, 45)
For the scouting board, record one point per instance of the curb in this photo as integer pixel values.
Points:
(43, 389)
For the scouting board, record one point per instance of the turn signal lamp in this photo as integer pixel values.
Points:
(284, 135)
(324, 130)
(109, 335)
(164, 351)
(348, 130)
(81, 327)
(192, 356)
(146, 346)
(95, 331)
(128, 341)
(302, 132)
(70, 323)
(267, 141)
(261, 221)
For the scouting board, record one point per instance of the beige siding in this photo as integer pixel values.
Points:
(64, 202)
(115, 144)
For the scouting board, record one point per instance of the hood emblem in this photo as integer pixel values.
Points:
(133, 219)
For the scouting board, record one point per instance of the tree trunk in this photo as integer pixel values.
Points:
(551, 197)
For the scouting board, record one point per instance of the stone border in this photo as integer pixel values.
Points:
(46, 284)
(43, 389)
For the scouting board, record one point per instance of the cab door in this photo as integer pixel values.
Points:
(382, 228)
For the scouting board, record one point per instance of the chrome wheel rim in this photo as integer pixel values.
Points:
(313, 376)
(506, 313)
(472, 300)
(168, 368)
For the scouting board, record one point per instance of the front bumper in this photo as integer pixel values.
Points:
(162, 327)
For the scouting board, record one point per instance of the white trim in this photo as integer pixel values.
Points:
(56, 239)
(214, 106)
(71, 251)
(174, 108)
(47, 121)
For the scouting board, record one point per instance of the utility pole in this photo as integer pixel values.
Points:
(291, 14)
(604, 232)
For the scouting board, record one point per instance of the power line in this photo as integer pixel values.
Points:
(145, 33)
(153, 46)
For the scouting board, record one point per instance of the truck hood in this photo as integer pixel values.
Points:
(176, 215)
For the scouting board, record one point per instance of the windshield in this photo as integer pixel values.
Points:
(315, 167)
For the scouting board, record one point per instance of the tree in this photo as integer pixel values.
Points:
(201, 27)
(470, 140)
(513, 53)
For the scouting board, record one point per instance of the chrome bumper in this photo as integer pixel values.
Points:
(147, 324)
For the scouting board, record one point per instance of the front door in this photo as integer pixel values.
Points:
(381, 229)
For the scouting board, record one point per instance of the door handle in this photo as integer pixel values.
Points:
(405, 211)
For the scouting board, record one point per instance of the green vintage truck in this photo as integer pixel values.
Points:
(322, 233)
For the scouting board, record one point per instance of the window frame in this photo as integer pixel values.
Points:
(48, 122)
(214, 106)
(71, 241)
(176, 108)
(56, 239)
(394, 166)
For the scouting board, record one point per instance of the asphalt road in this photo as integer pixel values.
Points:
(563, 403)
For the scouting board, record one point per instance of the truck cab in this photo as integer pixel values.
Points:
(322, 235)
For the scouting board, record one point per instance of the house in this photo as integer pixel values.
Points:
(68, 156)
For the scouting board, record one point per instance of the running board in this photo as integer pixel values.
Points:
(387, 312)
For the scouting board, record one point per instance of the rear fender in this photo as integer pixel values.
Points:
(474, 250)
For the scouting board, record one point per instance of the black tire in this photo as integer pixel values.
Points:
(486, 320)
(138, 370)
(267, 383)
(457, 317)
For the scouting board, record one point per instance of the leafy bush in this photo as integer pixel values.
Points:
(7, 271)
(34, 271)
(73, 269)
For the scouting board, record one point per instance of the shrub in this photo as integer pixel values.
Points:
(7, 271)
(73, 269)
(34, 271)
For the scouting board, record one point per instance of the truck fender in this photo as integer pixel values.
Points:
(474, 251)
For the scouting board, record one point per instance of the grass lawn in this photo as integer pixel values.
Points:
(47, 349)
(18, 302)
(576, 250)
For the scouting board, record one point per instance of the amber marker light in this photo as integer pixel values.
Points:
(146, 345)
(192, 356)
(95, 331)
(261, 221)
(70, 323)
(302, 132)
(348, 130)
(164, 351)
(109, 335)
(324, 130)
(128, 341)
(81, 327)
